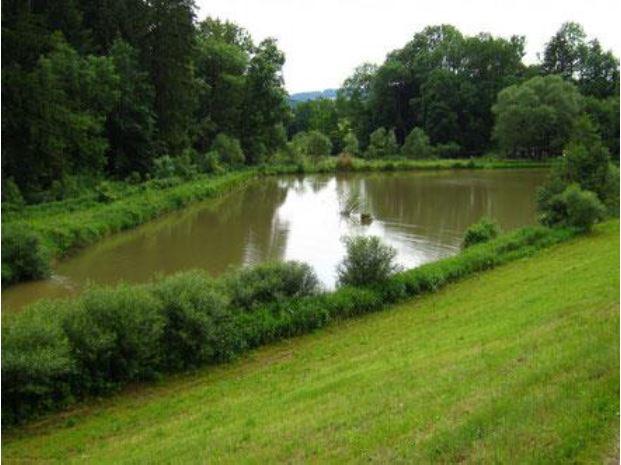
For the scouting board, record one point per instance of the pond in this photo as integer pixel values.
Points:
(421, 214)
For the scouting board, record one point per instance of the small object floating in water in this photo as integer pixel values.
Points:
(366, 218)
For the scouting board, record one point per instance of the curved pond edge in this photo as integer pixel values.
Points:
(38, 235)
(69, 374)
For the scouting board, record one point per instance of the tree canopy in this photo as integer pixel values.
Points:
(130, 89)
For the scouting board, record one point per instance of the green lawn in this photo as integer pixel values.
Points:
(516, 365)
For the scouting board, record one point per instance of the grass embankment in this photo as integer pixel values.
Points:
(35, 235)
(60, 351)
(516, 365)
(332, 164)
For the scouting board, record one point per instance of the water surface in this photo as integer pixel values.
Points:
(422, 214)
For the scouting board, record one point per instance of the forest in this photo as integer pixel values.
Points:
(134, 90)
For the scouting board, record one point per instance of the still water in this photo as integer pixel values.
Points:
(421, 214)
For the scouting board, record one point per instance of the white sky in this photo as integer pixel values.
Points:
(325, 40)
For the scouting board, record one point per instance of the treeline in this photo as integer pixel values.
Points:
(108, 88)
(445, 94)
(130, 90)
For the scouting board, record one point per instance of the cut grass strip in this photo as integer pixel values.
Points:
(516, 365)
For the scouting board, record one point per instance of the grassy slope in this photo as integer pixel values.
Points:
(516, 365)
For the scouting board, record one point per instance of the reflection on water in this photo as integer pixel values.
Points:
(423, 215)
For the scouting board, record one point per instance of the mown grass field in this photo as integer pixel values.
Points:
(516, 365)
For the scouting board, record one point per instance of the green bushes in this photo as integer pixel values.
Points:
(382, 143)
(583, 187)
(23, 255)
(313, 144)
(31, 239)
(37, 366)
(367, 262)
(416, 145)
(57, 352)
(575, 208)
(229, 150)
(114, 337)
(268, 282)
(12, 198)
(198, 323)
(482, 231)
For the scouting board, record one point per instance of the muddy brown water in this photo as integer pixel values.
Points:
(422, 214)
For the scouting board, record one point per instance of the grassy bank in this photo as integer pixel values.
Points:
(57, 352)
(333, 164)
(517, 365)
(35, 235)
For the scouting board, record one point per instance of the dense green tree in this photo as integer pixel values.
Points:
(352, 101)
(222, 58)
(382, 143)
(417, 145)
(313, 144)
(350, 144)
(109, 20)
(229, 150)
(171, 44)
(441, 81)
(318, 115)
(587, 162)
(568, 53)
(265, 104)
(535, 119)
(586, 165)
(565, 51)
(131, 124)
(62, 117)
(605, 114)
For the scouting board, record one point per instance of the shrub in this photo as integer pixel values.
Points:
(184, 166)
(312, 144)
(351, 144)
(65, 188)
(367, 262)
(317, 144)
(23, 255)
(270, 282)
(209, 162)
(289, 153)
(229, 150)
(114, 336)
(448, 150)
(482, 231)
(417, 145)
(345, 162)
(382, 143)
(134, 178)
(11, 195)
(105, 192)
(586, 166)
(36, 364)
(573, 207)
(198, 324)
(163, 167)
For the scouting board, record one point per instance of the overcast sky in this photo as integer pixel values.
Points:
(325, 40)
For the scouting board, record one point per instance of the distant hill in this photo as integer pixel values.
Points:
(313, 95)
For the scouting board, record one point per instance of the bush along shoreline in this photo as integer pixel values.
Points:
(58, 352)
(34, 235)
